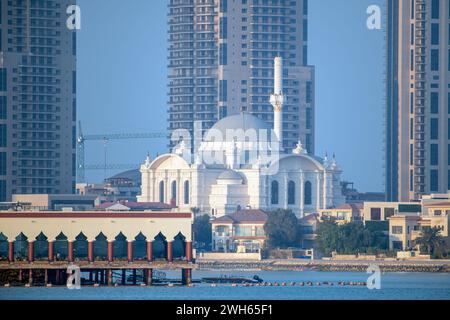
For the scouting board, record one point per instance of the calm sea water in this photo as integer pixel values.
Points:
(394, 286)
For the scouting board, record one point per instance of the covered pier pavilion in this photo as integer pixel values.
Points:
(45, 244)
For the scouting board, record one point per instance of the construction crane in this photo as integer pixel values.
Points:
(81, 139)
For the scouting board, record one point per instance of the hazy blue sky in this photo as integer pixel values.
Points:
(122, 71)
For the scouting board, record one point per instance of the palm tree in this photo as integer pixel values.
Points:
(430, 238)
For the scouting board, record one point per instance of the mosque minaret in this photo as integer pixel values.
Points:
(277, 99)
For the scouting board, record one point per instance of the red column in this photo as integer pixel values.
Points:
(50, 251)
(130, 251)
(149, 276)
(91, 251)
(169, 251)
(186, 277)
(70, 251)
(11, 251)
(30, 251)
(109, 276)
(149, 251)
(110, 251)
(189, 251)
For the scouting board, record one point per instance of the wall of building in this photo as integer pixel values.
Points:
(38, 98)
(417, 125)
(231, 46)
(91, 224)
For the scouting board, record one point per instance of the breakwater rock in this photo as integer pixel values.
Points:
(320, 265)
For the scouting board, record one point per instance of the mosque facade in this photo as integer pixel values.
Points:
(239, 164)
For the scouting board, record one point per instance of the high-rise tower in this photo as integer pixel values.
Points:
(221, 62)
(418, 98)
(37, 98)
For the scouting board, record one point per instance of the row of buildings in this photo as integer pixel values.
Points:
(402, 223)
(220, 64)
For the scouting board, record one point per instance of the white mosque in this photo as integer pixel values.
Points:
(239, 165)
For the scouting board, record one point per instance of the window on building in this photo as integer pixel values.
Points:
(305, 30)
(223, 28)
(305, 55)
(435, 60)
(435, 9)
(411, 154)
(161, 192)
(448, 129)
(435, 34)
(434, 154)
(448, 180)
(243, 231)
(397, 230)
(411, 103)
(2, 190)
(397, 245)
(274, 192)
(309, 143)
(449, 33)
(448, 155)
(2, 163)
(223, 6)
(223, 87)
(74, 82)
(411, 180)
(434, 102)
(434, 128)
(3, 139)
(186, 192)
(375, 214)
(223, 58)
(448, 56)
(291, 192)
(308, 193)
(434, 180)
(3, 79)
(448, 103)
(309, 92)
(259, 231)
(3, 108)
(173, 188)
(388, 212)
(308, 118)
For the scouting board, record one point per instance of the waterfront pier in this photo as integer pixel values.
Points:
(38, 247)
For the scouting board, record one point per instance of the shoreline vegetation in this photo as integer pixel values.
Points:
(431, 266)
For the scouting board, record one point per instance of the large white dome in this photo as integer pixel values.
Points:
(243, 121)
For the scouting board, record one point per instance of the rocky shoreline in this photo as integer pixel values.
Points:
(330, 266)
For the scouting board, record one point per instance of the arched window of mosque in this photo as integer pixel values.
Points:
(247, 156)
(173, 188)
(274, 192)
(186, 192)
(161, 191)
(291, 192)
(308, 193)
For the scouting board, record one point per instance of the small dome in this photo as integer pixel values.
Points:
(229, 175)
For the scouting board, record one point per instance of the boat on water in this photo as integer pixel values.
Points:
(232, 279)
